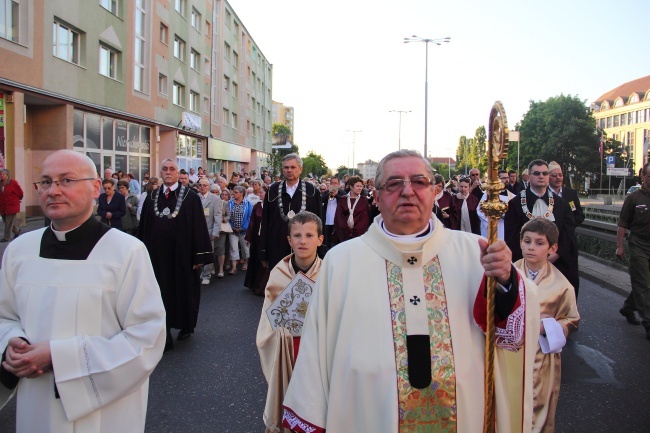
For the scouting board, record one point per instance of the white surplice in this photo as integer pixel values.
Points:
(105, 322)
(345, 379)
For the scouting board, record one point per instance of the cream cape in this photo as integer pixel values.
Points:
(105, 322)
(276, 347)
(557, 300)
(345, 377)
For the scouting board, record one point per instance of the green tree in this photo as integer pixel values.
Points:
(281, 133)
(480, 149)
(315, 164)
(342, 171)
(559, 129)
(463, 155)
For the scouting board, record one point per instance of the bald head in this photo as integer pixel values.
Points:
(67, 157)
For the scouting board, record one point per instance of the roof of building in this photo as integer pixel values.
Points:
(640, 86)
(442, 160)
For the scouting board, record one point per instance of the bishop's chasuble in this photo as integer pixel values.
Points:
(352, 374)
(278, 348)
(102, 313)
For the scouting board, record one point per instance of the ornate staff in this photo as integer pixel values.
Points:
(493, 208)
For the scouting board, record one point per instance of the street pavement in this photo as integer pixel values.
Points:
(212, 382)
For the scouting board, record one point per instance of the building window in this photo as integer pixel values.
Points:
(226, 51)
(206, 105)
(107, 62)
(235, 90)
(630, 118)
(226, 83)
(180, 6)
(164, 34)
(9, 19)
(66, 43)
(226, 117)
(208, 29)
(234, 120)
(109, 5)
(236, 31)
(139, 63)
(195, 59)
(227, 19)
(623, 119)
(162, 84)
(179, 48)
(235, 59)
(616, 121)
(609, 122)
(206, 66)
(630, 138)
(194, 102)
(196, 20)
(178, 95)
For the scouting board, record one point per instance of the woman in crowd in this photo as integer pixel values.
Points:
(240, 216)
(151, 185)
(256, 195)
(10, 196)
(220, 242)
(130, 219)
(352, 217)
(443, 205)
(111, 207)
(134, 185)
(465, 205)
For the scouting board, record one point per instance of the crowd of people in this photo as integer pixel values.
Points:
(368, 362)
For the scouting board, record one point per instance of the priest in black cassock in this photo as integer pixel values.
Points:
(173, 228)
(539, 201)
(282, 202)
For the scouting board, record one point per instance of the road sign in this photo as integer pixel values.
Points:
(611, 161)
(618, 171)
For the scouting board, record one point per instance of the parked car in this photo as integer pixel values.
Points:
(632, 189)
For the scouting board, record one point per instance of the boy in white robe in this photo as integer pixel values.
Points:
(278, 349)
(559, 317)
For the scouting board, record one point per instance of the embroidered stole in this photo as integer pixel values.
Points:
(432, 409)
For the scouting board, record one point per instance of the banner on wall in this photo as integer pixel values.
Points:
(2, 131)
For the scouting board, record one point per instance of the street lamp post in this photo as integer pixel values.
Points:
(354, 136)
(399, 140)
(426, 41)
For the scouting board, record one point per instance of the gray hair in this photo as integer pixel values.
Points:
(403, 153)
(169, 160)
(240, 189)
(292, 156)
(6, 171)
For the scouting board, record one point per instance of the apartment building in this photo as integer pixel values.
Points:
(130, 83)
(624, 114)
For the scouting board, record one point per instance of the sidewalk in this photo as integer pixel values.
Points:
(614, 279)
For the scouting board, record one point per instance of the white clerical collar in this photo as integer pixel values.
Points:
(291, 190)
(410, 237)
(60, 234)
(171, 188)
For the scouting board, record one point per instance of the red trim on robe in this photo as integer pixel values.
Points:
(296, 347)
(293, 422)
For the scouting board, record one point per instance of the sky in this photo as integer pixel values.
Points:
(343, 66)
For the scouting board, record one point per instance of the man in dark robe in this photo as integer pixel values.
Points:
(282, 202)
(173, 228)
(523, 208)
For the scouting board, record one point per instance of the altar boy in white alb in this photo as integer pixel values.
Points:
(82, 324)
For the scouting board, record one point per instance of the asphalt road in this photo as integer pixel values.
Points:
(213, 382)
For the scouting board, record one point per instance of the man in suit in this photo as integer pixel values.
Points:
(539, 201)
(513, 185)
(328, 199)
(212, 209)
(556, 178)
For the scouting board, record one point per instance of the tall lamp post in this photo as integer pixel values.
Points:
(354, 137)
(426, 41)
(399, 140)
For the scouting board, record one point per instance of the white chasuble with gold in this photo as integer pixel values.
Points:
(352, 374)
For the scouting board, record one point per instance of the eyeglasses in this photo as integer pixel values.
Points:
(557, 175)
(418, 183)
(203, 185)
(66, 183)
(540, 173)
